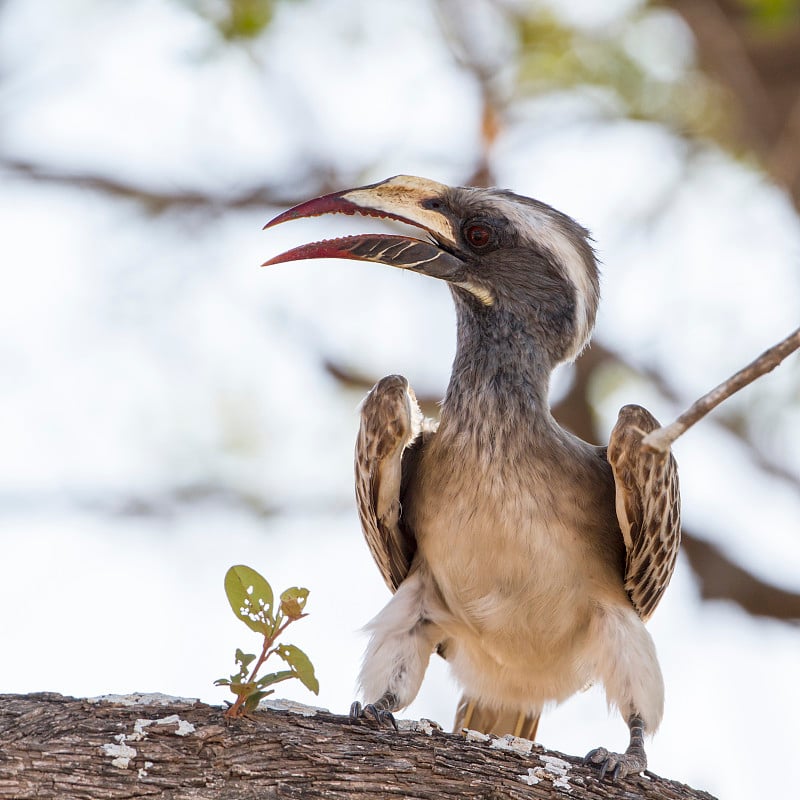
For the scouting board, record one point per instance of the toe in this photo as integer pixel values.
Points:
(383, 717)
(372, 713)
(388, 717)
(596, 756)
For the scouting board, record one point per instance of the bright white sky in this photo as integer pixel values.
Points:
(140, 354)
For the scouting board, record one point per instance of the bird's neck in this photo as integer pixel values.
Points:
(501, 376)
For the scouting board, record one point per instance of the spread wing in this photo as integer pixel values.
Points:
(388, 444)
(648, 508)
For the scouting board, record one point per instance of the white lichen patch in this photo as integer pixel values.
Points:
(426, 726)
(555, 769)
(563, 784)
(475, 736)
(555, 765)
(120, 754)
(290, 705)
(513, 744)
(531, 778)
(139, 729)
(142, 699)
(183, 728)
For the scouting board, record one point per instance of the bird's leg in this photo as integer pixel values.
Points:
(628, 667)
(402, 640)
(632, 761)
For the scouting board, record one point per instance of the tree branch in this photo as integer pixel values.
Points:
(156, 201)
(722, 579)
(662, 438)
(761, 70)
(156, 747)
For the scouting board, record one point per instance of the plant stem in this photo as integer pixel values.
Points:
(236, 709)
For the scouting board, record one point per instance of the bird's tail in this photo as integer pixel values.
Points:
(470, 714)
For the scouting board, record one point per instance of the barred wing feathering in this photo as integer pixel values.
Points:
(648, 508)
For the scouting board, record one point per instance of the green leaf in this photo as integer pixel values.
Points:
(300, 664)
(244, 659)
(293, 601)
(275, 677)
(251, 599)
(222, 682)
(254, 699)
(243, 688)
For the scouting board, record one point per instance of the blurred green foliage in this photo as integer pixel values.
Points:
(555, 56)
(773, 13)
(237, 20)
(246, 19)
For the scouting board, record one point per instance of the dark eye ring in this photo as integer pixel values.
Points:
(478, 235)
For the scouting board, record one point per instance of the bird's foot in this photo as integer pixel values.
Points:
(618, 765)
(372, 711)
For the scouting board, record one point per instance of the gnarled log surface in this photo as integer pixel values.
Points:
(152, 746)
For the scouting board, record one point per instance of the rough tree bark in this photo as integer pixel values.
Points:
(154, 746)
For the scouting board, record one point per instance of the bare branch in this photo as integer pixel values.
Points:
(761, 73)
(720, 578)
(466, 49)
(157, 201)
(784, 158)
(661, 439)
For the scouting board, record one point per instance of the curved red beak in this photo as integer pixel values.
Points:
(414, 201)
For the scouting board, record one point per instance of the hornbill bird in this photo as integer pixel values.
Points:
(526, 557)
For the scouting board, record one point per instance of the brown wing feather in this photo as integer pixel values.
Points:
(391, 424)
(648, 508)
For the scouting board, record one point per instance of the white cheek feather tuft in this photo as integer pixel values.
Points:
(480, 292)
(549, 235)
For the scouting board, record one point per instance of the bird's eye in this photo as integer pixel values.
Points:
(478, 235)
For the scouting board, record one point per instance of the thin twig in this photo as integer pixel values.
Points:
(661, 439)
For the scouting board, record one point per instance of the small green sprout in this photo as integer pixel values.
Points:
(252, 600)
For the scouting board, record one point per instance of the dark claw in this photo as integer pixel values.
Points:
(382, 717)
(356, 712)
